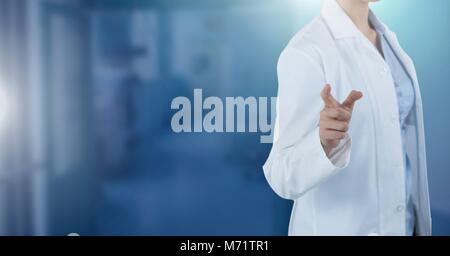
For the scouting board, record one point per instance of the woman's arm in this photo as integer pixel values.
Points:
(298, 161)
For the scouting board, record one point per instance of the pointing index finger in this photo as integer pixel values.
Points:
(327, 98)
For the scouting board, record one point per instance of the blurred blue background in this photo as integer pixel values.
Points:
(85, 91)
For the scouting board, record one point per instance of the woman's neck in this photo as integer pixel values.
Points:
(358, 11)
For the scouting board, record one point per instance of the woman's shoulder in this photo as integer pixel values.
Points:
(315, 32)
(313, 40)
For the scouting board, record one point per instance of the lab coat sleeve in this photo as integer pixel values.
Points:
(297, 162)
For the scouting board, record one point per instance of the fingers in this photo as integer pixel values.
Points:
(327, 98)
(351, 99)
(335, 118)
(334, 125)
(340, 114)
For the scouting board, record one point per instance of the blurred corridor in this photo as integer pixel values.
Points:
(85, 91)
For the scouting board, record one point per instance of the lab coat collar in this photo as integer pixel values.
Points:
(341, 25)
(376, 23)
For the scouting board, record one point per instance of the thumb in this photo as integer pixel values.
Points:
(351, 99)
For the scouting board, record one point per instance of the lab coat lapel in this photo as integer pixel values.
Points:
(424, 222)
(404, 59)
(423, 211)
(393, 41)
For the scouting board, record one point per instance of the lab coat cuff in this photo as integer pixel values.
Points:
(320, 165)
(339, 157)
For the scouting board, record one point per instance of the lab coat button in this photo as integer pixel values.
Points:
(400, 208)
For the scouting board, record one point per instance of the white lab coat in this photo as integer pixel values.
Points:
(360, 189)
